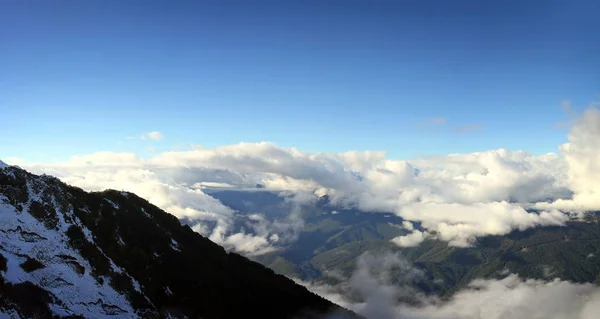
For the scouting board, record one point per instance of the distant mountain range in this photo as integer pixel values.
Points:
(66, 253)
(333, 238)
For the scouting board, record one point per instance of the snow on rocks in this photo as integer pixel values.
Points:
(65, 273)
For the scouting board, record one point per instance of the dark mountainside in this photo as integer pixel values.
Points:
(126, 258)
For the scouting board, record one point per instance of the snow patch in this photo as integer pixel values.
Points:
(175, 245)
(146, 213)
(9, 314)
(114, 205)
(22, 236)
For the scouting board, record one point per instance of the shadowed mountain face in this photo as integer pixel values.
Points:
(65, 252)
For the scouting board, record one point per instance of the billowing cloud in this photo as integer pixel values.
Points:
(377, 284)
(154, 136)
(375, 293)
(408, 225)
(413, 239)
(460, 223)
(582, 157)
(456, 198)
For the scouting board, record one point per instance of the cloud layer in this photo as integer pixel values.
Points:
(456, 197)
(372, 293)
(516, 298)
(582, 158)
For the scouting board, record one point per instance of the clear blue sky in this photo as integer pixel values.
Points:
(83, 76)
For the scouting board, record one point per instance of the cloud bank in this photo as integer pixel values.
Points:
(372, 293)
(456, 198)
(582, 158)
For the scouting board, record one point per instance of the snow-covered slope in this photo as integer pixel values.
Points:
(63, 272)
(68, 253)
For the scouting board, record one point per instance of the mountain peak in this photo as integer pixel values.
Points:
(109, 254)
(3, 165)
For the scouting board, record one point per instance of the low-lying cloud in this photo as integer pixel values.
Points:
(517, 298)
(455, 198)
(379, 289)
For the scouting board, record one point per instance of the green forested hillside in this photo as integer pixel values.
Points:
(571, 252)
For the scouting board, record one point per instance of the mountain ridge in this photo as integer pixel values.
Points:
(113, 254)
(333, 238)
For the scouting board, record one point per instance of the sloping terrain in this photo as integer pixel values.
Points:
(68, 253)
(571, 252)
(331, 243)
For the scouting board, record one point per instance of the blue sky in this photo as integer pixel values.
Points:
(84, 76)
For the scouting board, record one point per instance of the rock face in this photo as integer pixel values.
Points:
(68, 253)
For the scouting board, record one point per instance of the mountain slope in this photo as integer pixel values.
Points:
(332, 239)
(65, 252)
(569, 252)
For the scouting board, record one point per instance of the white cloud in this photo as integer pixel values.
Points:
(582, 157)
(516, 298)
(154, 136)
(212, 185)
(459, 196)
(376, 285)
(408, 225)
(456, 197)
(376, 292)
(379, 281)
(459, 223)
(413, 239)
